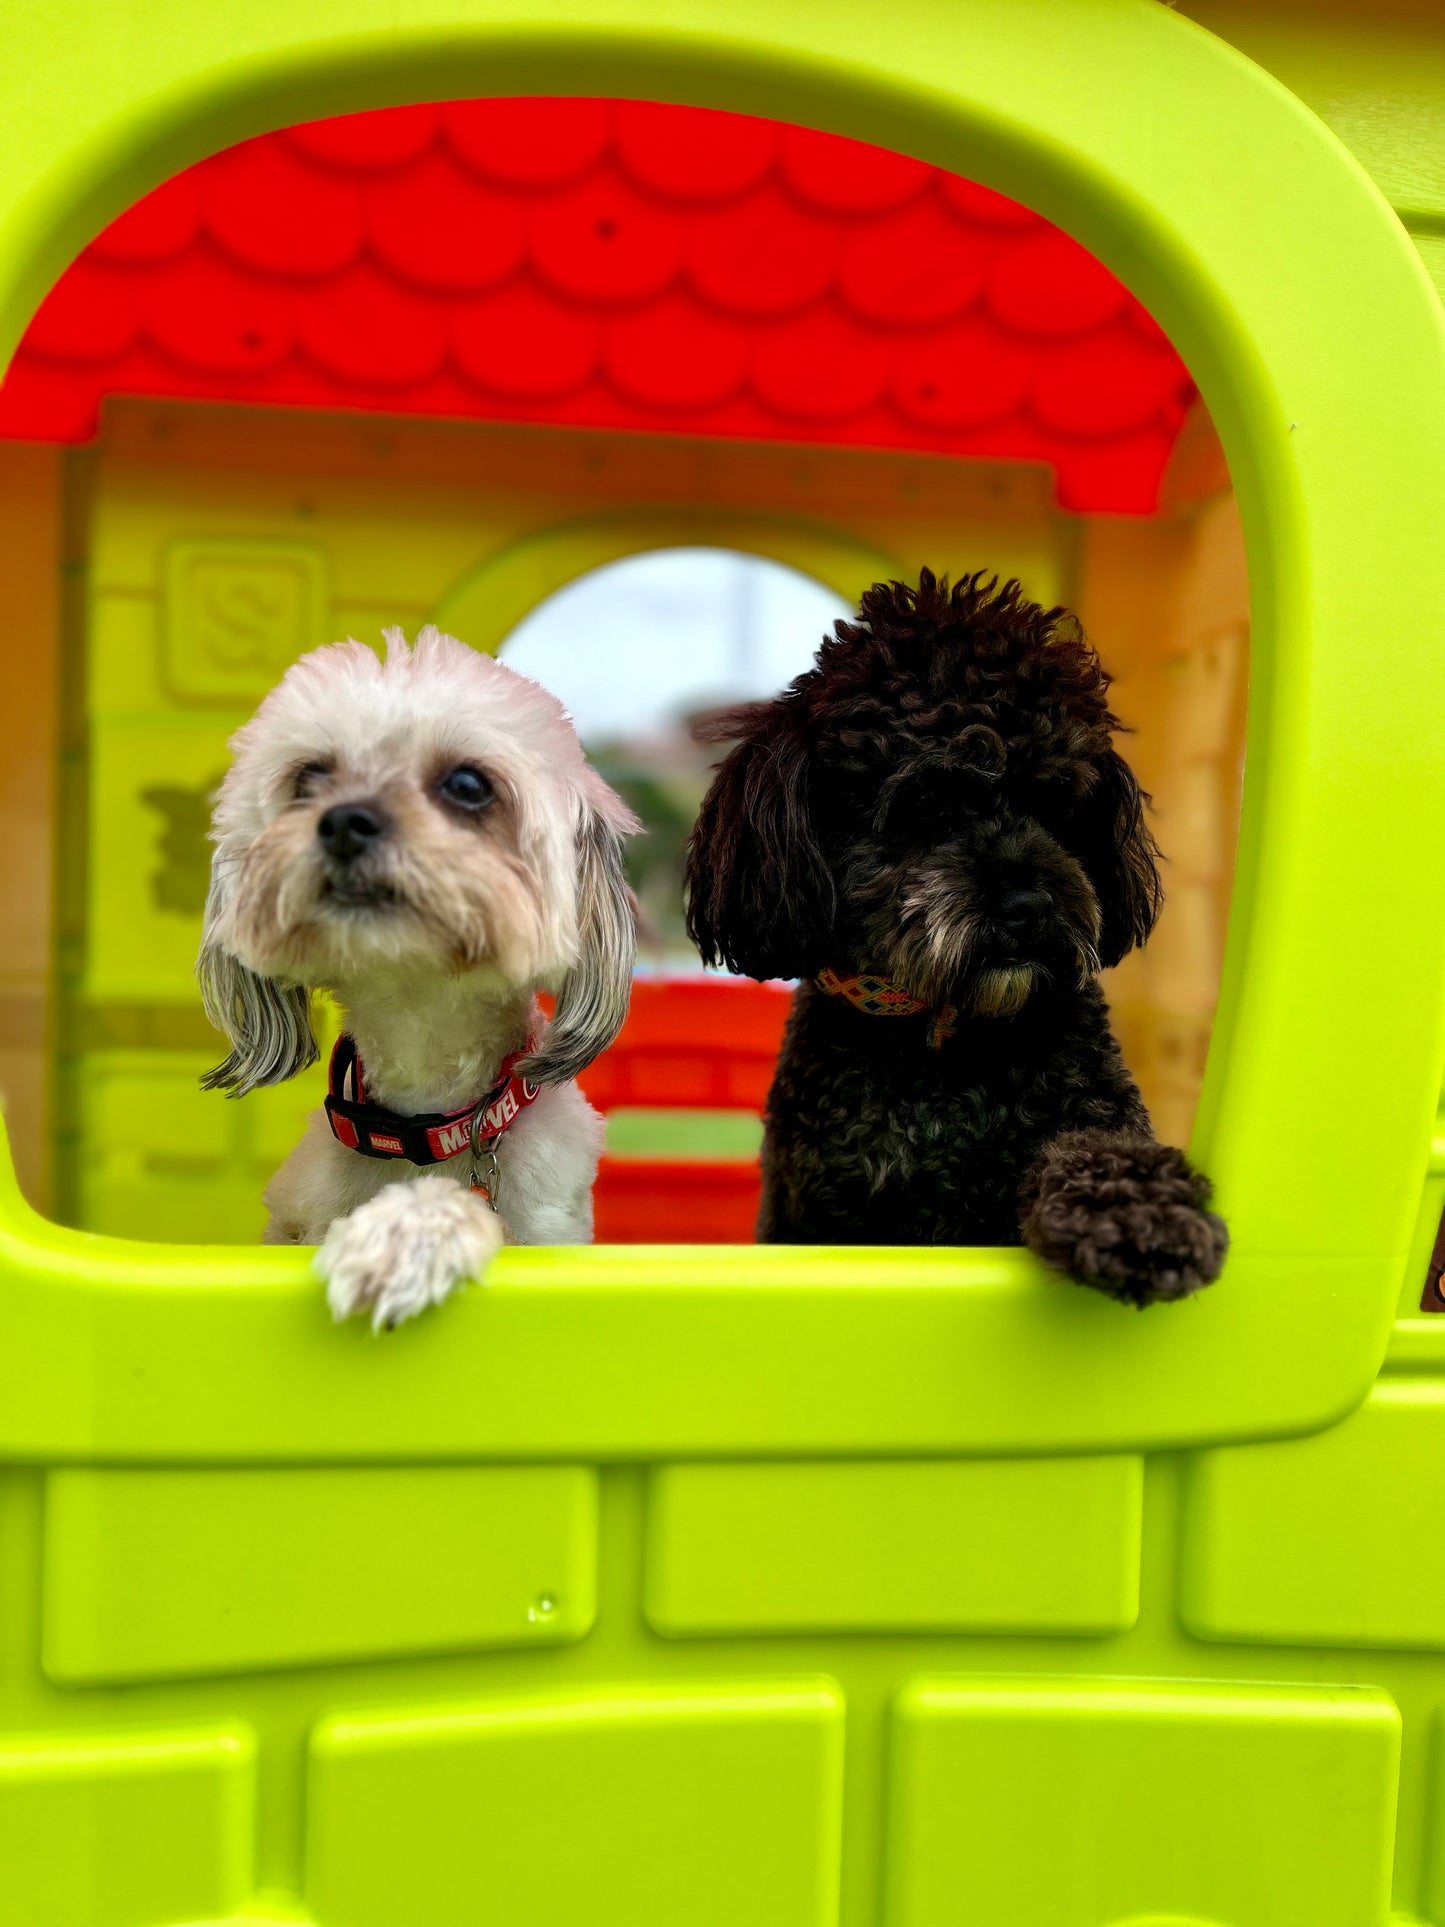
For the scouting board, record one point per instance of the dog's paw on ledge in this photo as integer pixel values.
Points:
(407, 1248)
(1124, 1214)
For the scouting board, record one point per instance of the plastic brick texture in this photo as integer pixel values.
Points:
(1041, 1545)
(1328, 1541)
(1129, 1804)
(710, 1805)
(125, 1829)
(150, 1575)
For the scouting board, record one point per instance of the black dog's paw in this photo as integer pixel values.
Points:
(1124, 1214)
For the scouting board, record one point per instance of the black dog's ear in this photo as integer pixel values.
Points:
(1118, 851)
(759, 894)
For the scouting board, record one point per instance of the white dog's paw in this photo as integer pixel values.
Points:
(408, 1247)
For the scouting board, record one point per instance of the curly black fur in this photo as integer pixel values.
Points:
(939, 801)
(1124, 1213)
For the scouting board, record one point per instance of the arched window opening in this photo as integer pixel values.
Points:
(323, 380)
(640, 651)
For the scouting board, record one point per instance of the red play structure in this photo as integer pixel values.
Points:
(620, 265)
(693, 1044)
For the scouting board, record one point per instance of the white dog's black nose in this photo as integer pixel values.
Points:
(348, 829)
(1021, 907)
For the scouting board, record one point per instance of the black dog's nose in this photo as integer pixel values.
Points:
(346, 829)
(1022, 906)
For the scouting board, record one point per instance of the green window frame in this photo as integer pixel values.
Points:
(1306, 316)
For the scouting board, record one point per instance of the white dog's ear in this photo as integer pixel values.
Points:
(593, 997)
(266, 1023)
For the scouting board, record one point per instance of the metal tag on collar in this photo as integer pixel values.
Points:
(944, 1024)
(486, 1175)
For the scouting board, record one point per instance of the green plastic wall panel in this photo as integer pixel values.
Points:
(154, 1148)
(151, 1140)
(1375, 75)
(649, 1808)
(149, 1574)
(1094, 1803)
(1433, 1895)
(1337, 1540)
(237, 613)
(150, 779)
(148, 1131)
(126, 1830)
(990, 1546)
(1432, 253)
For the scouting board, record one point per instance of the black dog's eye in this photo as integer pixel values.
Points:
(1054, 804)
(467, 788)
(307, 777)
(935, 801)
(958, 795)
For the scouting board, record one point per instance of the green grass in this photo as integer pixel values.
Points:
(684, 1134)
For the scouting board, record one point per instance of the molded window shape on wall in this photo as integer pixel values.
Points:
(639, 651)
(1314, 1128)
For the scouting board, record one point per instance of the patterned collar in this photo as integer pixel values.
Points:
(881, 997)
(437, 1136)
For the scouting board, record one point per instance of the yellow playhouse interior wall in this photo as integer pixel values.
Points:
(1167, 601)
(220, 544)
(30, 572)
(213, 545)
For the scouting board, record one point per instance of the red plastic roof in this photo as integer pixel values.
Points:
(621, 265)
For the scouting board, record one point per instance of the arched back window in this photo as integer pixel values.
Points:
(640, 649)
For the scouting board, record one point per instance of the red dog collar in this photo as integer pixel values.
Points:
(430, 1138)
(881, 997)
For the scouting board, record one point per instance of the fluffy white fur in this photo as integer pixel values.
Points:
(433, 940)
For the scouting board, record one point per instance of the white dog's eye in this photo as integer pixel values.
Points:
(307, 777)
(467, 788)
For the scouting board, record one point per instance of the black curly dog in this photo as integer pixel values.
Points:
(936, 815)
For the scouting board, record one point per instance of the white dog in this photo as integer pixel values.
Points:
(423, 839)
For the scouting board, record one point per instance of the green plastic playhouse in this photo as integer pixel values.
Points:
(733, 1587)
